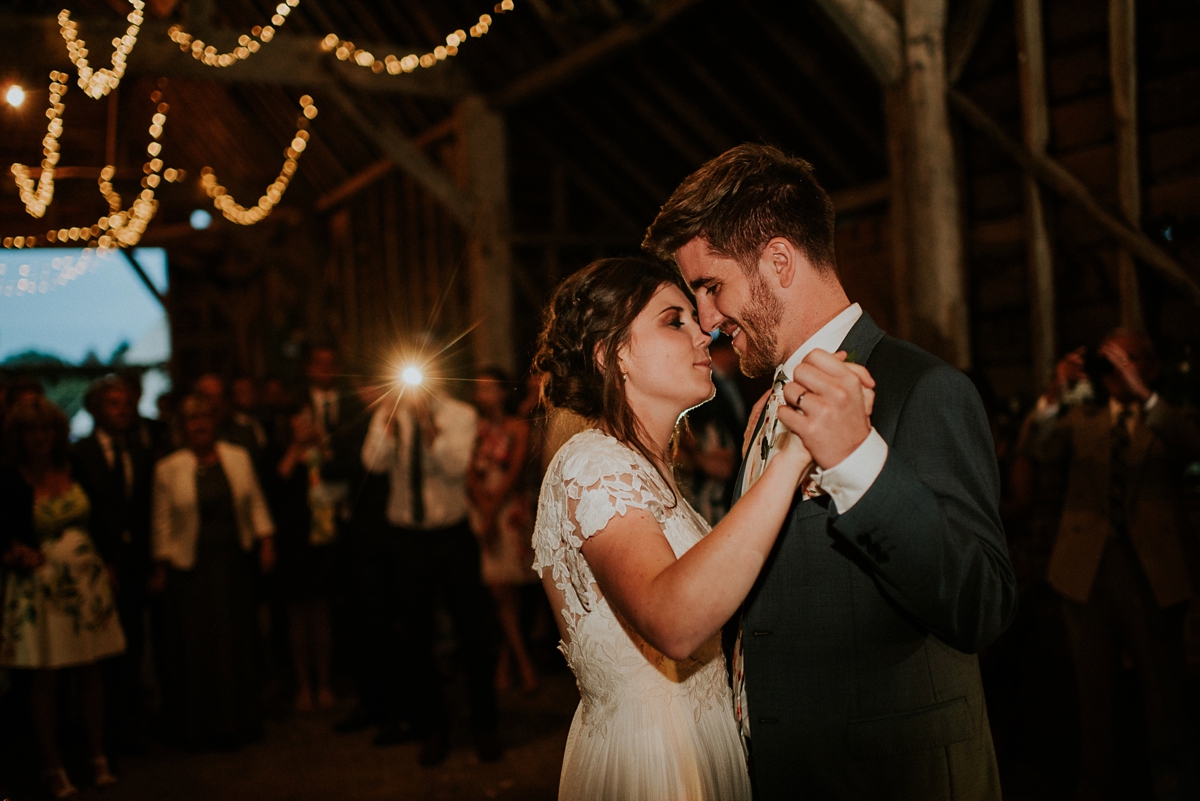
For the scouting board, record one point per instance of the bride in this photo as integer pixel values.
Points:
(641, 585)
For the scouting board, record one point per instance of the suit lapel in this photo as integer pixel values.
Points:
(861, 341)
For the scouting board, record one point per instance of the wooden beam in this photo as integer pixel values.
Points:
(1054, 176)
(962, 35)
(661, 125)
(785, 106)
(483, 169)
(697, 120)
(586, 57)
(143, 275)
(857, 198)
(374, 172)
(1035, 119)
(633, 171)
(819, 78)
(598, 194)
(740, 111)
(408, 157)
(1122, 31)
(287, 60)
(939, 298)
(896, 113)
(872, 32)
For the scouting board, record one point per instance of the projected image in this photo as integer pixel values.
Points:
(69, 315)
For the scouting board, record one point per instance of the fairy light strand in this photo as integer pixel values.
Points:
(230, 208)
(345, 50)
(37, 199)
(247, 44)
(98, 83)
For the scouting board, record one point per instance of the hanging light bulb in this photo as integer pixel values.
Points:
(15, 96)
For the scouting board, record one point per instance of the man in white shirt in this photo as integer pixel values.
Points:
(424, 443)
(854, 670)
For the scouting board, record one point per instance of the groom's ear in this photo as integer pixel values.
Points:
(781, 260)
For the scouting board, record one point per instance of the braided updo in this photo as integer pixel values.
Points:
(586, 323)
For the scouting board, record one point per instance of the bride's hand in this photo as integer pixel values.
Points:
(792, 455)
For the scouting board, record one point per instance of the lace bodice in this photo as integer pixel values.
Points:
(592, 478)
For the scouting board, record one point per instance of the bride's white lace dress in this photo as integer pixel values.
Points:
(648, 728)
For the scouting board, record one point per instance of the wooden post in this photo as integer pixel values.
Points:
(1122, 22)
(483, 173)
(1036, 126)
(895, 106)
(939, 303)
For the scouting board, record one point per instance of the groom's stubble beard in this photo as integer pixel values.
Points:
(759, 320)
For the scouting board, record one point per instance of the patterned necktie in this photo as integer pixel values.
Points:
(761, 450)
(1118, 479)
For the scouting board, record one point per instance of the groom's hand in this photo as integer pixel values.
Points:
(829, 404)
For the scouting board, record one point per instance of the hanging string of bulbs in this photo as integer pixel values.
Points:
(98, 83)
(124, 228)
(346, 51)
(36, 200)
(230, 208)
(247, 45)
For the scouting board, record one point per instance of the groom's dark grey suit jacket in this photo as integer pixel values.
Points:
(859, 636)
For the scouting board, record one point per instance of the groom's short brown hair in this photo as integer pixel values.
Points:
(739, 201)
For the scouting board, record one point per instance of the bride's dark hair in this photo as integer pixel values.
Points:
(586, 323)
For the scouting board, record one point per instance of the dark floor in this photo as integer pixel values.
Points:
(301, 758)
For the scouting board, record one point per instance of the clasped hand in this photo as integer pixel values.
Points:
(828, 405)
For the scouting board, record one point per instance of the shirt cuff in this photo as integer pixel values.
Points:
(849, 480)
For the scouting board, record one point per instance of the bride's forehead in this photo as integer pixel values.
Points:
(670, 295)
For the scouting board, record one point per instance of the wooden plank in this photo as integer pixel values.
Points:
(895, 108)
(857, 198)
(576, 62)
(633, 171)
(355, 184)
(287, 60)
(598, 194)
(939, 301)
(131, 257)
(697, 120)
(661, 125)
(408, 157)
(962, 35)
(1122, 21)
(1035, 119)
(872, 32)
(484, 168)
(1054, 176)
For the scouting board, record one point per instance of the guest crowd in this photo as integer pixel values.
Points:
(158, 572)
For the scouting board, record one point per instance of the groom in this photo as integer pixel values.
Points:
(855, 675)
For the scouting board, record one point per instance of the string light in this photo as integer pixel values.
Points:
(37, 201)
(241, 215)
(393, 65)
(98, 83)
(63, 269)
(259, 35)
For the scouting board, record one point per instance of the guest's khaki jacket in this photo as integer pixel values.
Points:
(1163, 442)
(176, 516)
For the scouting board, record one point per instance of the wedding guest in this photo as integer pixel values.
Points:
(228, 429)
(304, 508)
(243, 395)
(114, 468)
(154, 435)
(275, 412)
(424, 443)
(502, 516)
(58, 610)
(715, 444)
(208, 514)
(1123, 559)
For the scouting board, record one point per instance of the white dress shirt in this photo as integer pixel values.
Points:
(847, 481)
(444, 462)
(325, 407)
(108, 448)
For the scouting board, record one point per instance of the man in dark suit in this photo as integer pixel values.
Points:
(1124, 556)
(115, 471)
(855, 675)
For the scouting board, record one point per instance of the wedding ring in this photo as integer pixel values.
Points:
(799, 401)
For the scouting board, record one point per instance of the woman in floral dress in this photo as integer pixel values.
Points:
(58, 603)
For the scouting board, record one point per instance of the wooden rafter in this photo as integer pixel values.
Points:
(587, 56)
(872, 32)
(965, 26)
(656, 120)
(697, 120)
(1057, 178)
(613, 152)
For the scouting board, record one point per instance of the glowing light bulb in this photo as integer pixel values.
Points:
(411, 376)
(15, 96)
(200, 219)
